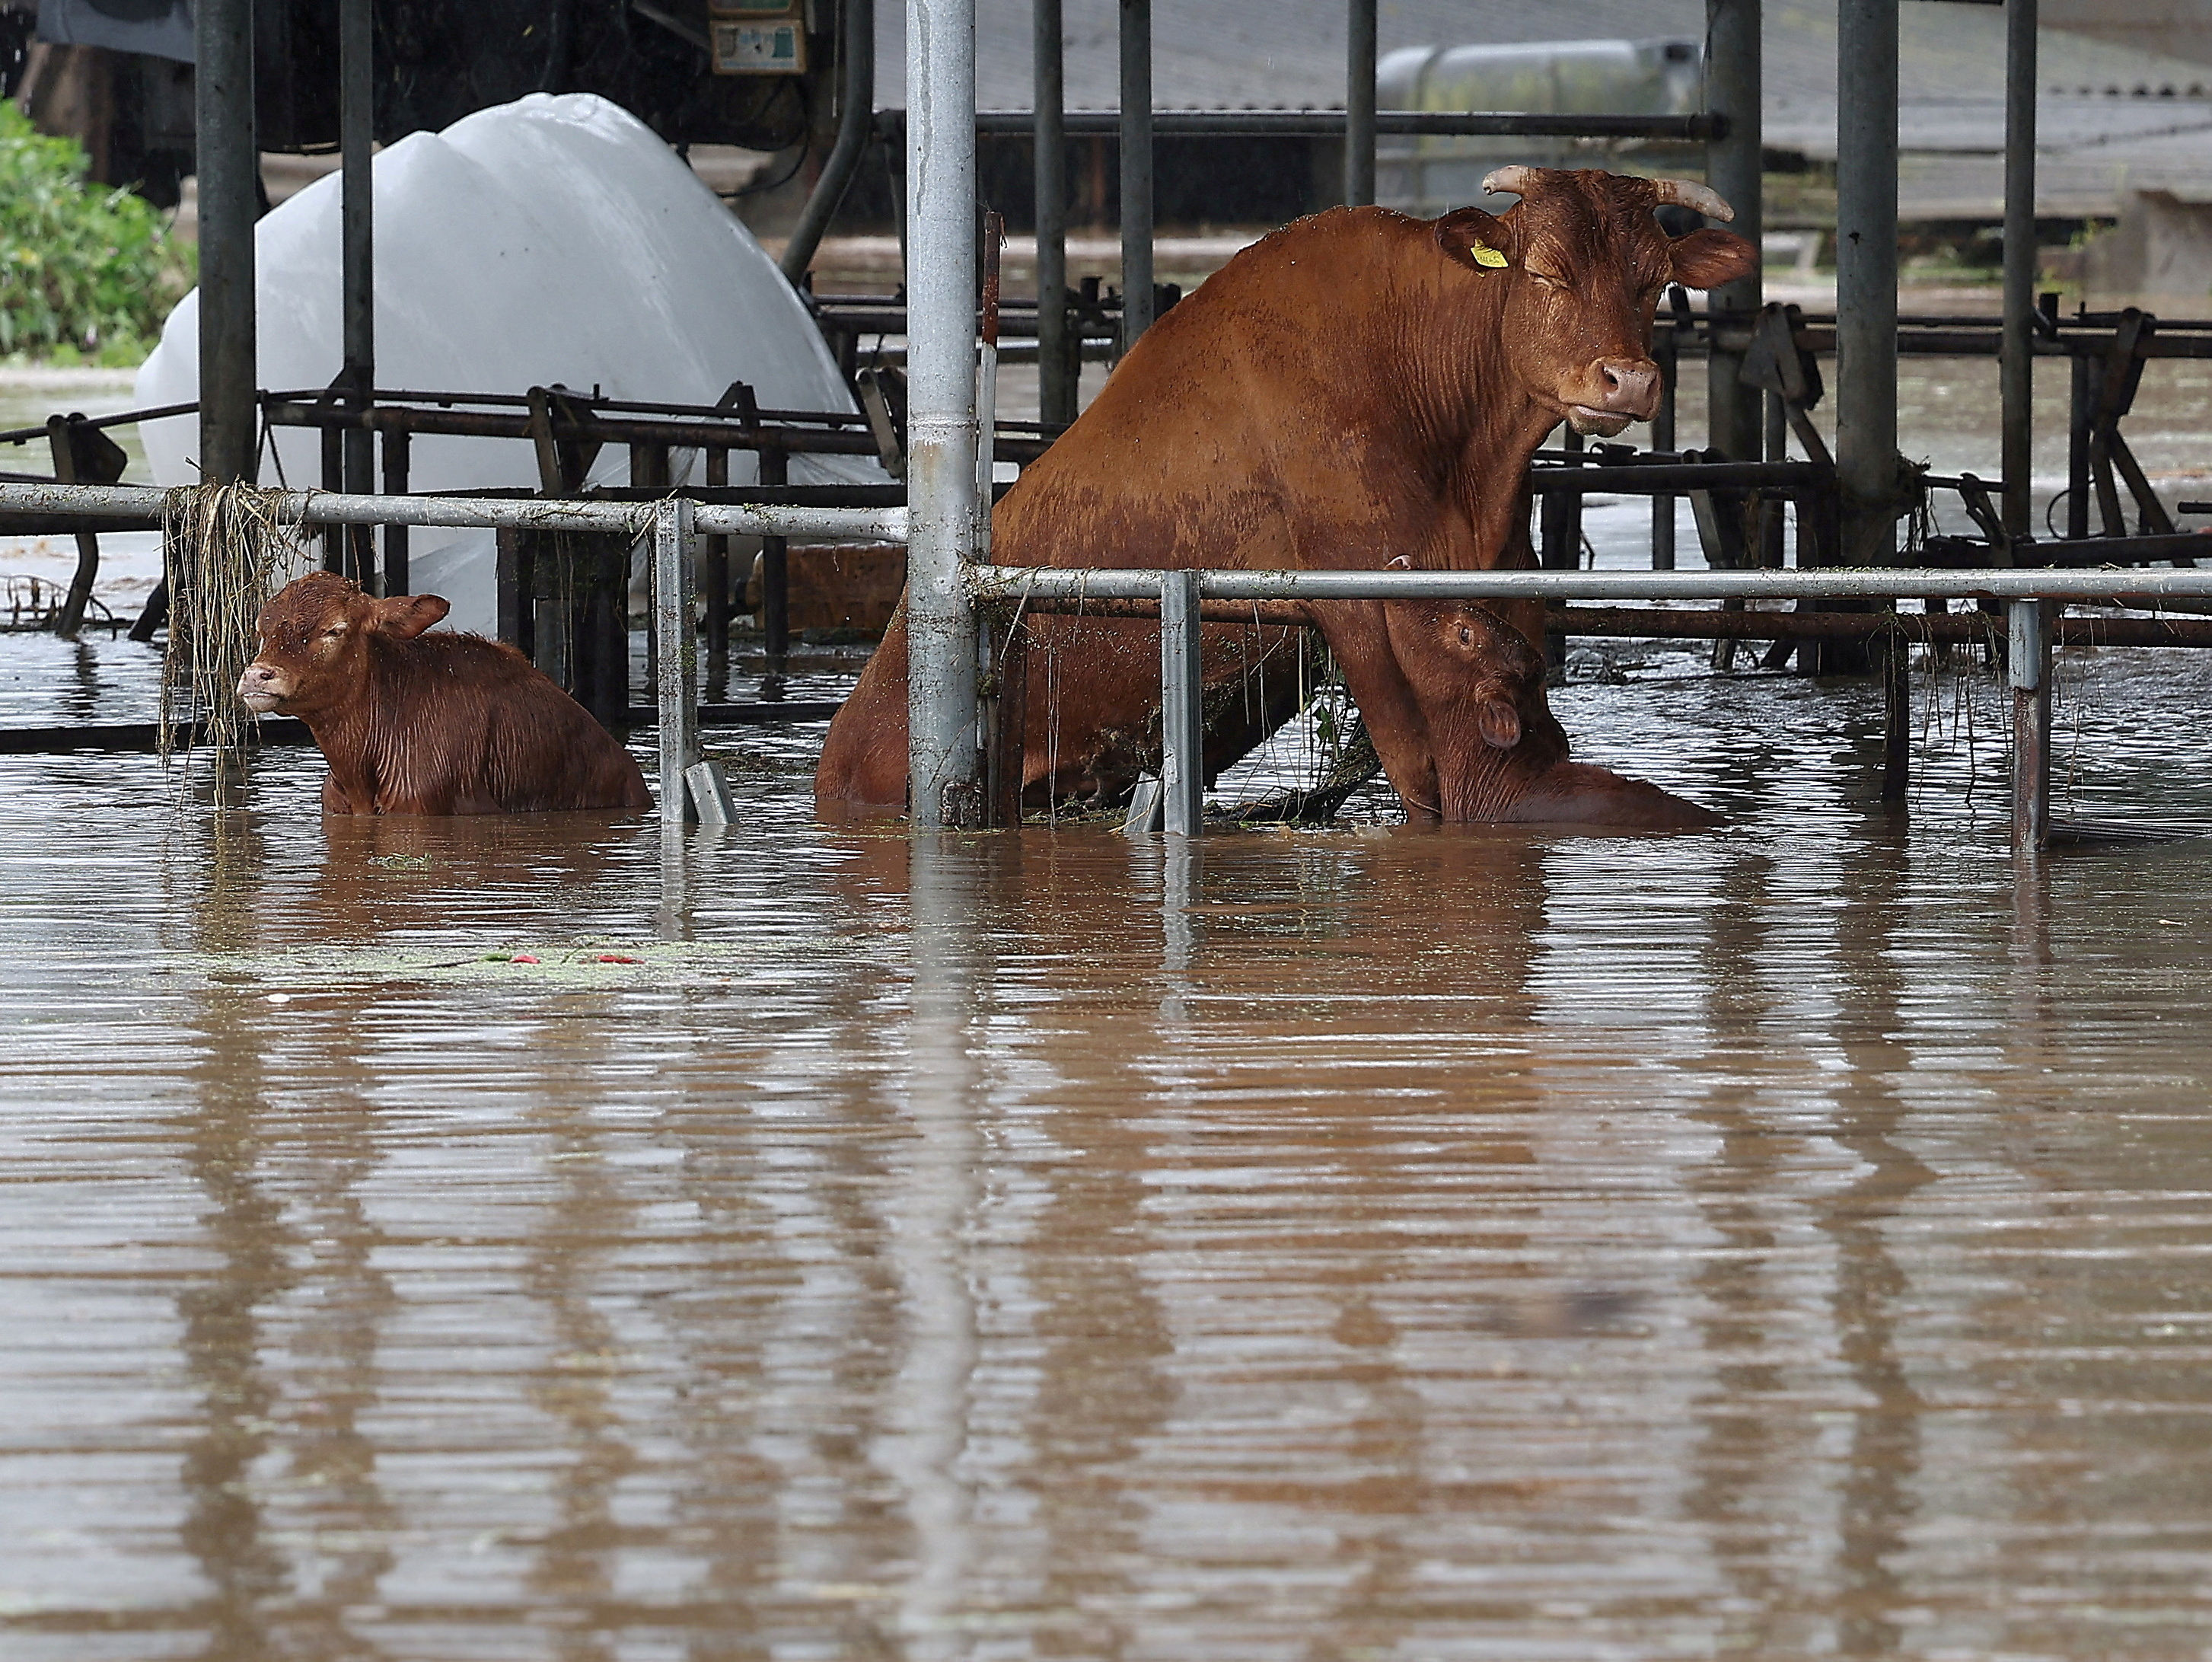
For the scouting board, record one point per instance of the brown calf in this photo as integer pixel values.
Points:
(429, 724)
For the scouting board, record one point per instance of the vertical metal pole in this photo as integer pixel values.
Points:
(775, 586)
(1136, 170)
(2077, 444)
(1866, 279)
(1667, 348)
(1057, 371)
(2028, 659)
(2016, 353)
(1182, 729)
(944, 760)
(856, 116)
(1359, 103)
(1733, 73)
(396, 444)
(1896, 655)
(227, 164)
(676, 659)
(715, 569)
(356, 137)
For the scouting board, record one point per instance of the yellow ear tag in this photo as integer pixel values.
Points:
(1485, 254)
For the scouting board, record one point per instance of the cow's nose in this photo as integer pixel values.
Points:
(1631, 387)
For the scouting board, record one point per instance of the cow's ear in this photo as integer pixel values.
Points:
(1475, 239)
(408, 615)
(1498, 722)
(1707, 258)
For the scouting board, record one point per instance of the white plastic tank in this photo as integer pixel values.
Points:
(554, 240)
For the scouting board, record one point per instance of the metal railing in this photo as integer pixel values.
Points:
(665, 530)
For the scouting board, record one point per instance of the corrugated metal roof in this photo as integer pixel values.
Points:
(2110, 119)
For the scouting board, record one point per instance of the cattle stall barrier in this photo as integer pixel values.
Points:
(2028, 596)
(666, 528)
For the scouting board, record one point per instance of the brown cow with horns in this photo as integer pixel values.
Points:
(1359, 389)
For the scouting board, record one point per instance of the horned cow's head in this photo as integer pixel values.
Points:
(1585, 261)
(315, 634)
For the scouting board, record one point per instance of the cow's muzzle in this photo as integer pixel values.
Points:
(1626, 390)
(262, 688)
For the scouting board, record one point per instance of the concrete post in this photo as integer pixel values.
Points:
(2016, 359)
(228, 163)
(1136, 170)
(943, 758)
(1057, 369)
(1182, 729)
(1866, 279)
(1733, 76)
(1359, 104)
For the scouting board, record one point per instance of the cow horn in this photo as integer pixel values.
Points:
(1509, 181)
(1683, 194)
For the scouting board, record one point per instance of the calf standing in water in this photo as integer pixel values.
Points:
(430, 724)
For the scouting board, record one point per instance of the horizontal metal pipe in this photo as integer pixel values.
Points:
(617, 430)
(486, 513)
(1956, 627)
(1012, 582)
(1668, 478)
(1330, 124)
(1646, 624)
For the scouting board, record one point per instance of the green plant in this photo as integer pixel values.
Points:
(87, 272)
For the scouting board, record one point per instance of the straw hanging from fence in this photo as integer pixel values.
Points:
(225, 549)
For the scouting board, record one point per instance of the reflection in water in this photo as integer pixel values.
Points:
(551, 1237)
(930, 1205)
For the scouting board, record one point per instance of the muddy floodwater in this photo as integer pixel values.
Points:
(544, 1238)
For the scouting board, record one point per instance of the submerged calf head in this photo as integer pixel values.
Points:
(1499, 754)
(316, 636)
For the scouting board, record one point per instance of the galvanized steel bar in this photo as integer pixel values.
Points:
(1057, 370)
(1136, 127)
(357, 252)
(2016, 354)
(856, 115)
(1733, 72)
(1067, 583)
(228, 166)
(2028, 667)
(943, 759)
(1866, 279)
(139, 502)
(1331, 124)
(1359, 103)
(1183, 727)
(676, 652)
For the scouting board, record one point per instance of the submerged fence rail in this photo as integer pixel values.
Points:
(1902, 582)
(476, 513)
(668, 527)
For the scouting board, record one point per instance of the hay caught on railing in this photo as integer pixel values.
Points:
(225, 549)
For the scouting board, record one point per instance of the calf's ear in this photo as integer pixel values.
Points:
(1476, 239)
(1498, 722)
(408, 615)
(1707, 258)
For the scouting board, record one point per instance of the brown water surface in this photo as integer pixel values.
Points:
(1794, 1241)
